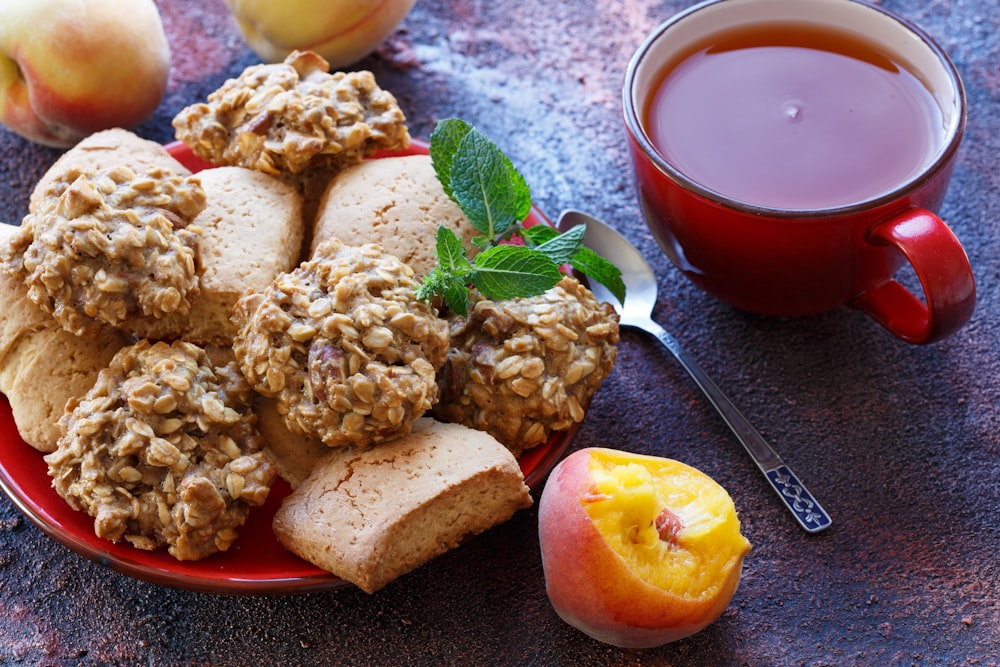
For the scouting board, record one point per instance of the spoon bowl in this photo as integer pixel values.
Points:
(637, 311)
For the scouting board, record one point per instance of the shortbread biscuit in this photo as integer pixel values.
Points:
(397, 202)
(18, 314)
(104, 150)
(46, 369)
(371, 516)
(294, 454)
(251, 231)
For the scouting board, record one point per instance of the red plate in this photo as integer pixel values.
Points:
(256, 563)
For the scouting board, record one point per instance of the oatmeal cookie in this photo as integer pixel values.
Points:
(294, 116)
(522, 368)
(163, 450)
(343, 345)
(111, 245)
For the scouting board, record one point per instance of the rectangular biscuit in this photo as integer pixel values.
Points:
(48, 368)
(295, 454)
(370, 516)
(103, 150)
(252, 231)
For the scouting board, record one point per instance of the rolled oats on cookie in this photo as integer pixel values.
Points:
(163, 450)
(343, 345)
(289, 117)
(111, 245)
(522, 368)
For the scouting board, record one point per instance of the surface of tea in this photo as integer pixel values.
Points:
(793, 117)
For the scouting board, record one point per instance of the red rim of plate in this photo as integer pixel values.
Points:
(256, 563)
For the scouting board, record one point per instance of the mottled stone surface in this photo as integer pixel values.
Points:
(900, 443)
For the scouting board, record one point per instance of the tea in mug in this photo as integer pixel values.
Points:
(793, 116)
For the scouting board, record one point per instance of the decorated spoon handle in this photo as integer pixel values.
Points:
(793, 493)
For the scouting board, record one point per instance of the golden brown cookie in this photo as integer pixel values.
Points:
(18, 314)
(522, 368)
(371, 516)
(252, 230)
(103, 150)
(293, 116)
(163, 450)
(295, 454)
(110, 246)
(396, 202)
(47, 368)
(343, 345)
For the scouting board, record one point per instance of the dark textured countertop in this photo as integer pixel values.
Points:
(901, 444)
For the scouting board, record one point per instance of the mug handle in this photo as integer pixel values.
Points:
(941, 265)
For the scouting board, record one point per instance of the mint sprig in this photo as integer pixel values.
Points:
(496, 199)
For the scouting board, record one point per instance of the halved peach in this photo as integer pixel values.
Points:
(637, 550)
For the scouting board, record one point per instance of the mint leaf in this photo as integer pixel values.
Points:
(450, 277)
(452, 287)
(482, 185)
(445, 139)
(583, 259)
(561, 248)
(536, 235)
(510, 271)
(482, 242)
(456, 297)
(450, 251)
(595, 267)
(431, 284)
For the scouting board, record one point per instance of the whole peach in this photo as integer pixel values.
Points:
(637, 550)
(342, 31)
(69, 68)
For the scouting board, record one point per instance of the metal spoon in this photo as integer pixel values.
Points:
(640, 283)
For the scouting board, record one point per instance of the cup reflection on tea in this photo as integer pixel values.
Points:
(790, 156)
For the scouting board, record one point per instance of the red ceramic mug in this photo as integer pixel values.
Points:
(843, 171)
